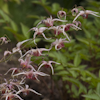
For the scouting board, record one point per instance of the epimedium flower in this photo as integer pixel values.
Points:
(85, 14)
(67, 27)
(4, 40)
(59, 43)
(7, 53)
(61, 14)
(26, 62)
(10, 96)
(48, 64)
(50, 21)
(74, 11)
(77, 23)
(39, 31)
(36, 52)
(31, 74)
(26, 90)
(18, 47)
(57, 30)
(14, 70)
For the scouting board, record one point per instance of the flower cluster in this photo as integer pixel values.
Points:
(27, 69)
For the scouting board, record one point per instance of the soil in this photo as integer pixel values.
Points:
(46, 85)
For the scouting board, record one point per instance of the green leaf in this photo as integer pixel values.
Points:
(5, 16)
(55, 7)
(25, 30)
(98, 88)
(76, 82)
(14, 26)
(92, 96)
(5, 8)
(62, 73)
(83, 41)
(2, 21)
(77, 60)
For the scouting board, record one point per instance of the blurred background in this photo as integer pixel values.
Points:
(78, 77)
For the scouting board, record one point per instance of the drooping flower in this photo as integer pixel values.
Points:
(74, 11)
(7, 53)
(10, 96)
(4, 40)
(49, 21)
(57, 30)
(59, 43)
(85, 14)
(48, 64)
(39, 31)
(36, 52)
(61, 14)
(26, 90)
(18, 47)
(31, 74)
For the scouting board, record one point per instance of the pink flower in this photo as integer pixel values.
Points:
(57, 30)
(49, 21)
(10, 96)
(36, 52)
(48, 64)
(39, 31)
(4, 40)
(85, 14)
(18, 47)
(59, 43)
(7, 53)
(26, 90)
(74, 11)
(67, 27)
(61, 14)
(14, 70)
(31, 74)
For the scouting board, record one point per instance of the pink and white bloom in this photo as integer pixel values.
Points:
(18, 47)
(14, 70)
(74, 11)
(4, 40)
(26, 90)
(39, 31)
(10, 96)
(57, 30)
(85, 14)
(31, 74)
(7, 53)
(59, 43)
(36, 52)
(49, 21)
(48, 64)
(61, 14)
(67, 27)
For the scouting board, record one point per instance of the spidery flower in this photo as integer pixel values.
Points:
(31, 74)
(59, 43)
(48, 64)
(61, 14)
(18, 47)
(36, 52)
(85, 14)
(26, 91)
(4, 40)
(39, 31)
(10, 96)
(49, 21)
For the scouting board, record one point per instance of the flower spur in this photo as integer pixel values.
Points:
(48, 64)
(85, 14)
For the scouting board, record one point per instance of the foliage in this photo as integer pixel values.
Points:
(79, 59)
